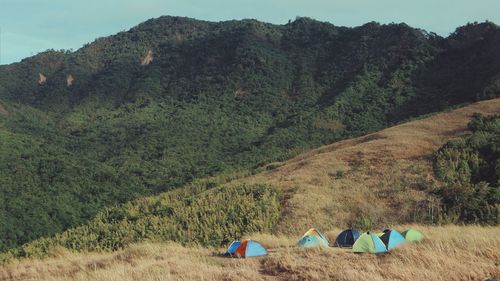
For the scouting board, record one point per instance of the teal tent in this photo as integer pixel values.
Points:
(392, 239)
(313, 238)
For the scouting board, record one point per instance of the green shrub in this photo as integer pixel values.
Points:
(469, 166)
(339, 174)
(364, 222)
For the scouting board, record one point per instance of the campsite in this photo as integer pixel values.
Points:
(313, 238)
(448, 253)
(234, 140)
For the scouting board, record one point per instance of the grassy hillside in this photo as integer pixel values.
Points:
(382, 178)
(175, 99)
(448, 253)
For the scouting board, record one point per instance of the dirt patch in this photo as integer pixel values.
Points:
(3, 111)
(148, 59)
(42, 79)
(179, 37)
(69, 80)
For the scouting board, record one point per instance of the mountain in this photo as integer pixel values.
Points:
(176, 99)
(380, 180)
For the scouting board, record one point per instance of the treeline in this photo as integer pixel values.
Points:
(203, 213)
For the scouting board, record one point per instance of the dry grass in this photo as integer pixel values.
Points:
(448, 253)
(380, 176)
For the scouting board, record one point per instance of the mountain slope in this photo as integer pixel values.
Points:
(382, 177)
(381, 172)
(386, 178)
(175, 99)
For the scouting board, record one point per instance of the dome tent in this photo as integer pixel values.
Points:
(313, 238)
(346, 238)
(249, 248)
(369, 243)
(232, 248)
(392, 239)
(412, 235)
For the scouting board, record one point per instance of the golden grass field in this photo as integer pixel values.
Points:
(448, 253)
(381, 176)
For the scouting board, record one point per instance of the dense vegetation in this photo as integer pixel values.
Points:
(203, 212)
(217, 97)
(470, 167)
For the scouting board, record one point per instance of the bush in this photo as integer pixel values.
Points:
(469, 166)
(364, 222)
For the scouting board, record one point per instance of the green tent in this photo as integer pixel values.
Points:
(412, 235)
(369, 243)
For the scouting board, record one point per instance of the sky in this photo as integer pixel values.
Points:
(31, 26)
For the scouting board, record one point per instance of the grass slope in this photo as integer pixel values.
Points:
(448, 253)
(378, 179)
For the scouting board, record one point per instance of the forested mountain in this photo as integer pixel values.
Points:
(175, 99)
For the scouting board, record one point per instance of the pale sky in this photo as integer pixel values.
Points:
(32, 26)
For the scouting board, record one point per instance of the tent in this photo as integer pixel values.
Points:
(392, 239)
(369, 243)
(412, 235)
(346, 238)
(313, 238)
(249, 248)
(232, 248)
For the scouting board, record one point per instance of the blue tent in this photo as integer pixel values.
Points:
(232, 248)
(250, 248)
(313, 238)
(392, 239)
(346, 238)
